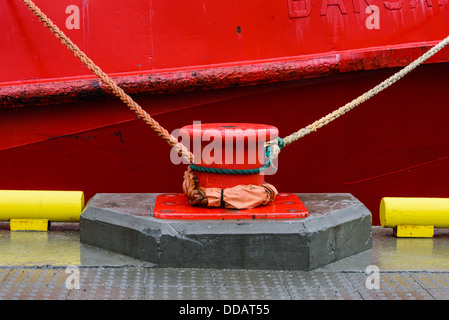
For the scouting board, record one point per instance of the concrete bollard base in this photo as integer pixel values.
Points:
(338, 226)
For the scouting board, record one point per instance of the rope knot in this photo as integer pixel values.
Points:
(274, 147)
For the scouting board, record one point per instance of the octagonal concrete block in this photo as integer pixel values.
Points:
(338, 226)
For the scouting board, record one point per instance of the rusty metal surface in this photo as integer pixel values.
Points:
(214, 77)
(307, 39)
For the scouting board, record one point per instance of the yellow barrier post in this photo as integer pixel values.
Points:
(414, 217)
(33, 210)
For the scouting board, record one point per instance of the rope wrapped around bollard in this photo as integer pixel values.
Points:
(238, 197)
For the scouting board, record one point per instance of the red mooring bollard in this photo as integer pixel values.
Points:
(229, 146)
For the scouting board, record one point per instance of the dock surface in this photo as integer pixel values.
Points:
(54, 265)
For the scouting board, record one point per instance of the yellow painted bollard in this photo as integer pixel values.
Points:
(414, 217)
(60, 206)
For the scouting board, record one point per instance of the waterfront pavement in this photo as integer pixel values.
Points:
(54, 265)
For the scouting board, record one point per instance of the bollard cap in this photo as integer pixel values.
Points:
(234, 129)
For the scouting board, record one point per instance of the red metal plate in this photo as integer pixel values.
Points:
(176, 206)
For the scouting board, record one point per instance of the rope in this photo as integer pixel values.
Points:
(229, 171)
(354, 103)
(195, 193)
(180, 148)
(142, 114)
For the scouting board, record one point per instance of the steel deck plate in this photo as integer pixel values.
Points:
(407, 272)
(143, 283)
(176, 206)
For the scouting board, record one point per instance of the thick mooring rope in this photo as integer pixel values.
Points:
(359, 100)
(134, 106)
(239, 197)
(196, 194)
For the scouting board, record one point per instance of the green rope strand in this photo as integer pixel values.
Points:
(241, 171)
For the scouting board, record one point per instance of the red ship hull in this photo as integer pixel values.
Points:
(283, 63)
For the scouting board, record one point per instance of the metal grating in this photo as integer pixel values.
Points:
(139, 283)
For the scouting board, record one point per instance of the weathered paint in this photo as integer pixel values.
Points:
(176, 206)
(83, 88)
(242, 147)
(287, 65)
(139, 35)
(413, 231)
(159, 47)
(28, 224)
